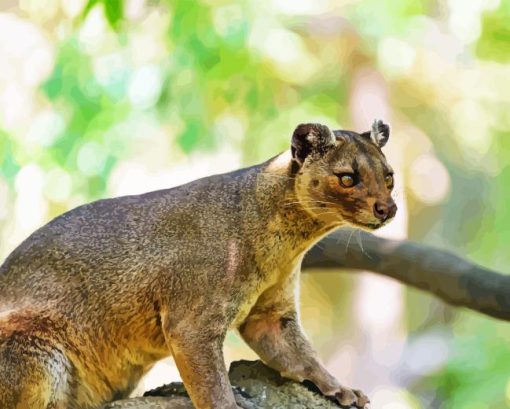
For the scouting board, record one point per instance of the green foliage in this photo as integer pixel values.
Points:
(9, 167)
(89, 109)
(476, 375)
(377, 18)
(113, 10)
(493, 44)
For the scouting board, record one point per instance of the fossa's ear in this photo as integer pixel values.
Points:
(379, 134)
(308, 138)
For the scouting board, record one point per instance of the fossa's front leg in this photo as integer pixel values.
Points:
(273, 331)
(197, 349)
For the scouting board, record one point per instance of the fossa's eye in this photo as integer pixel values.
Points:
(388, 180)
(347, 179)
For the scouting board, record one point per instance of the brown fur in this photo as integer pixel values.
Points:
(89, 302)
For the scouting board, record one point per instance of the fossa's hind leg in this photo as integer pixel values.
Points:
(33, 374)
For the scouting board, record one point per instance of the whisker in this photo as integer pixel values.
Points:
(324, 211)
(349, 241)
(327, 213)
(309, 201)
(305, 204)
(266, 175)
(361, 245)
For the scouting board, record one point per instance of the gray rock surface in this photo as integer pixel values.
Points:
(255, 385)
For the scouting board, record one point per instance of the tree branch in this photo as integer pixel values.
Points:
(449, 277)
(256, 387)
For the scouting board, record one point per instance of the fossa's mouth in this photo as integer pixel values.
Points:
(370, 226)
(366, 226)
(373, 226)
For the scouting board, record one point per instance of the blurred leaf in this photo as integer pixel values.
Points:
(114, 10)
(8, 165)
(379, 18)
(494, 42)
(477, 372)
(89, 6)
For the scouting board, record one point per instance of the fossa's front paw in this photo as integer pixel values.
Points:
(352, 398)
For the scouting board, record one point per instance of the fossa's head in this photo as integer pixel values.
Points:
(343, 175)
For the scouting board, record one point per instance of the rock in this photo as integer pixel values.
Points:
(255, 385)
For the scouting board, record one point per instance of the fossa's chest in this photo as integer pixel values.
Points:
(275, 274)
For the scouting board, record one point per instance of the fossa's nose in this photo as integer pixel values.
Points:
(385, 211)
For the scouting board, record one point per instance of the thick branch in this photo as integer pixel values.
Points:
(451, 278)
(256, 387)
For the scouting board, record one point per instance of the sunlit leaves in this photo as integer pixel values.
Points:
(113, 10)
(8, 164)
(495, 39)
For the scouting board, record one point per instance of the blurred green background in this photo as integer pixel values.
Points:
(103, 98)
